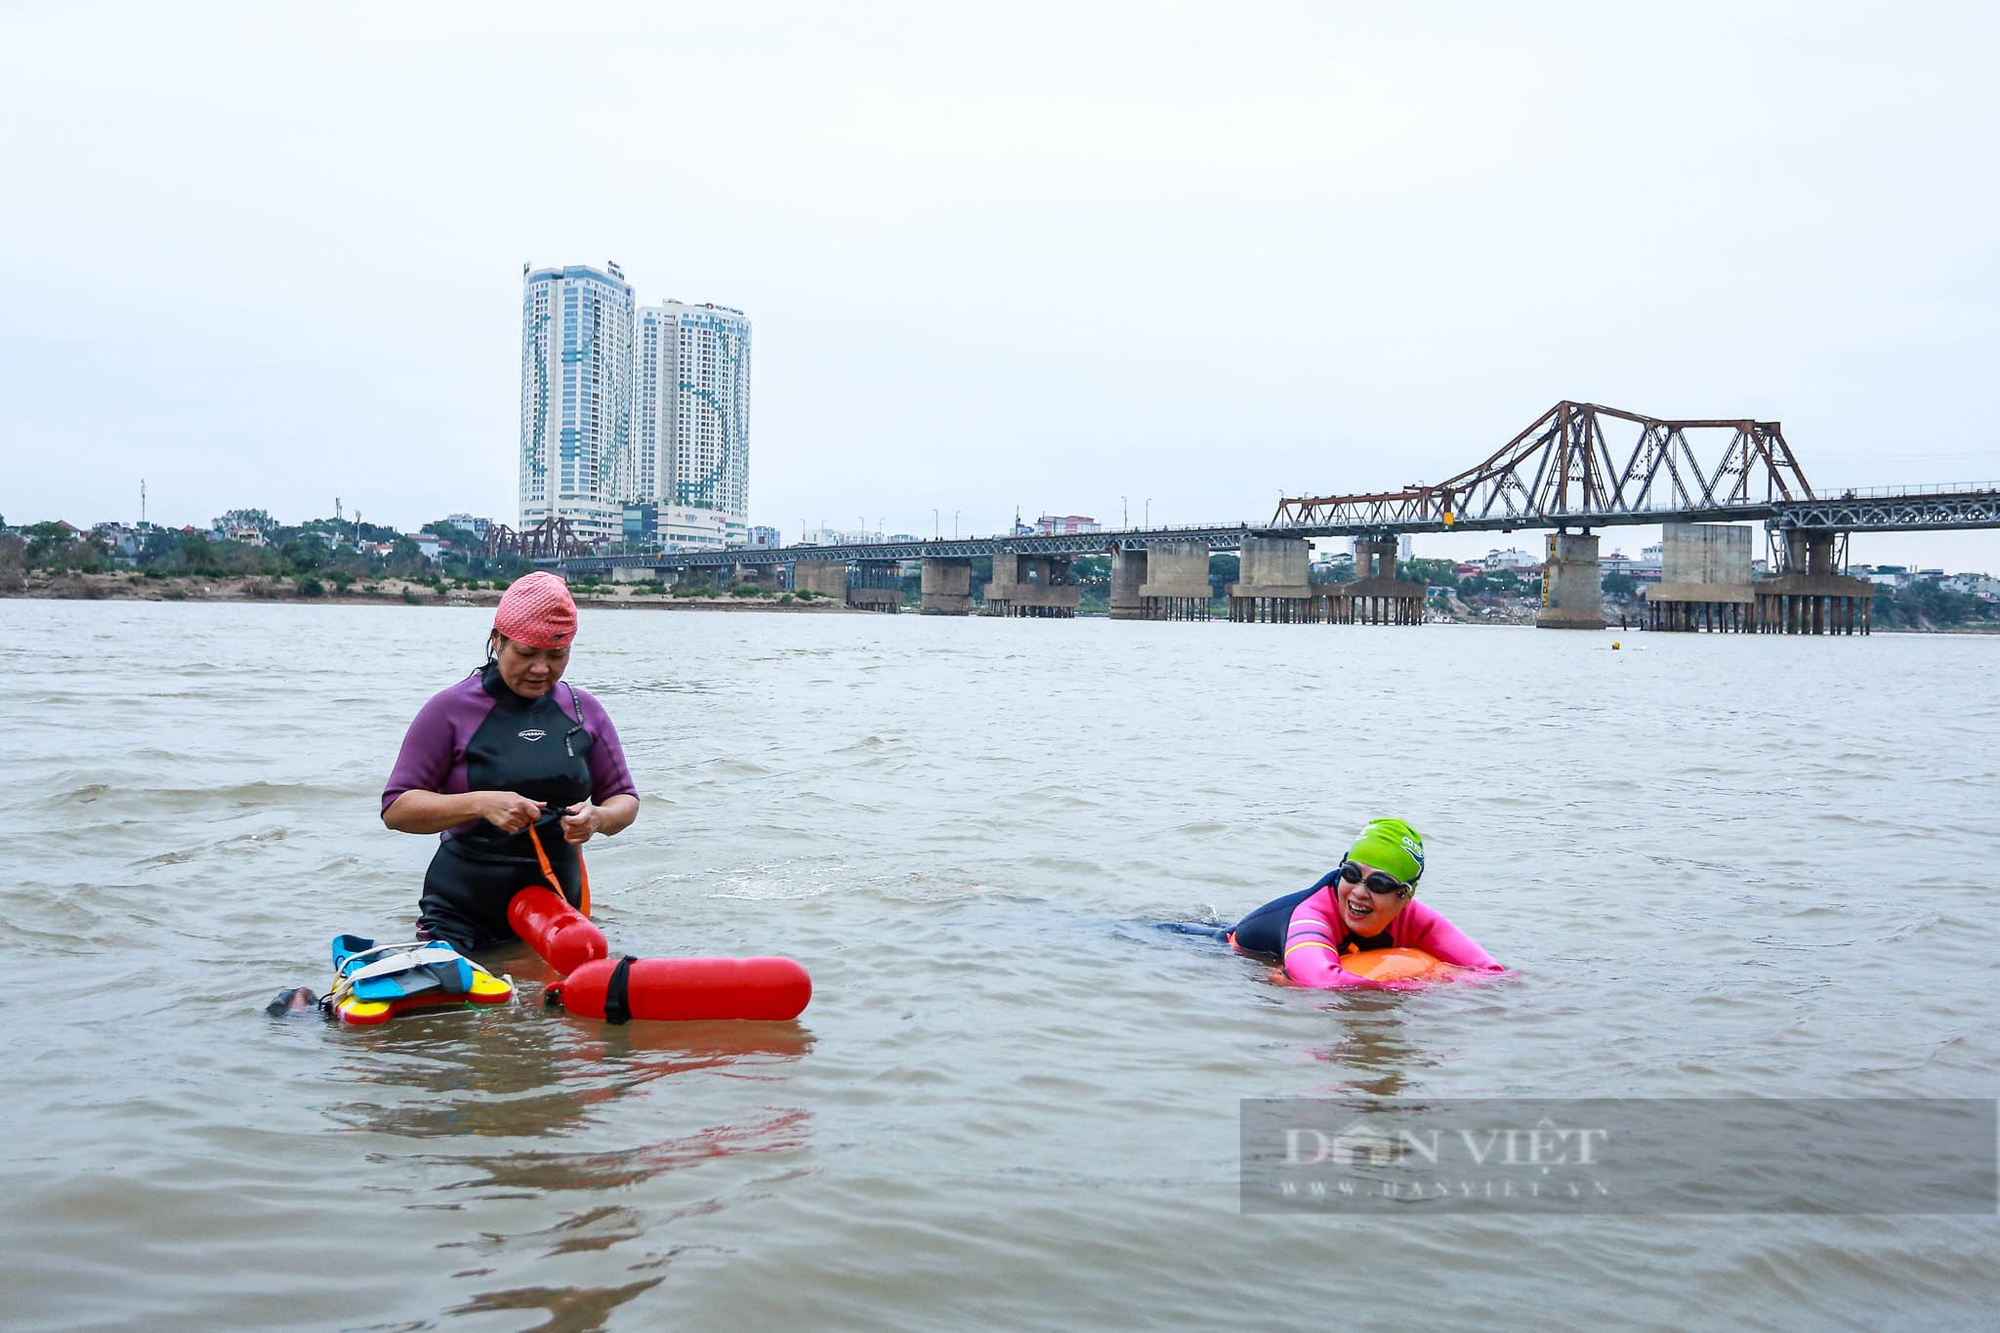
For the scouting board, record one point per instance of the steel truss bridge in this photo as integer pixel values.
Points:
(1578, 465)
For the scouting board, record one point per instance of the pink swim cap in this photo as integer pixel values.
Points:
(538, 611)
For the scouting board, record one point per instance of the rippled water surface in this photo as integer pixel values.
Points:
(1720, 867)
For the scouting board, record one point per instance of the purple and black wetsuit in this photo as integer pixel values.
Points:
(481, 736)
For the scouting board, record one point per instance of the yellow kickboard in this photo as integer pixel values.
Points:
(486, 989)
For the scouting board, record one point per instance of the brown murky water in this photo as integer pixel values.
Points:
(1722, 867)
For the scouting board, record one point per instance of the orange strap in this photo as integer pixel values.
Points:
(550, 871)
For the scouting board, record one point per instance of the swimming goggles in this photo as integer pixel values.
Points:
(1376, 881)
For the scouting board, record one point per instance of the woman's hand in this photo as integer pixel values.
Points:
(433, 812)
(581, 822)
(510, 812)
(584, 820)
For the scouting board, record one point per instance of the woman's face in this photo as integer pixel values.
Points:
(529, 672)
(1362, 910)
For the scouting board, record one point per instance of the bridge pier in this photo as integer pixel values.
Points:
(1039, 586)
(1375, 596)
(1705, 580)
(947, 587)
(876, 585)
(1176, 586)
(1809, 597)
(694, 576)
(1275, 586)
(825, 578)
(1572, 583)
(756, 576)
(1128, 575)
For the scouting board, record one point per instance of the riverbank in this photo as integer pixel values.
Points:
(128, 586)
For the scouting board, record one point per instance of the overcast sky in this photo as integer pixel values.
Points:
(997, 255)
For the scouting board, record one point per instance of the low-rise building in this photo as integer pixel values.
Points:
(1513, 561)
(1049, 525)
(1646, 569)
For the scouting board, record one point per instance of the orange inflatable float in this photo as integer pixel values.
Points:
(1386, 965)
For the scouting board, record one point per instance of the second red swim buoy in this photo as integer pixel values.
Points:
(771, 989)
(558, 932)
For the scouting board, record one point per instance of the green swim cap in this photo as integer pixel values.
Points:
(1391, 845)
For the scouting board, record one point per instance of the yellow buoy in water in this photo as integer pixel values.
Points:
(1614, 645)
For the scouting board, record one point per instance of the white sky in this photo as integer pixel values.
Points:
(1045, 255)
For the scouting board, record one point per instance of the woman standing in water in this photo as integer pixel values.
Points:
(515, 769)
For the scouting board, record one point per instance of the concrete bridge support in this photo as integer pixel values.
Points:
(756, 576)
(1128, 575)
(1274, 585)
(1040, 586)
(1809, 597)
(947, 587)
(1572, 583)
(1705, 580)
(876, 586)
(1176, 586)
(692, 576)
(826, 578)
(1375, 596)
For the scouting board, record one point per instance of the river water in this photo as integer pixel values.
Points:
(1720, 867)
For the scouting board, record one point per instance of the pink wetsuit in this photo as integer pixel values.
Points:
(1315, 937)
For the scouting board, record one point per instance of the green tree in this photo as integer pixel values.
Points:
(1927, 605)
(1224, 568)
(405, 560)
(48, 545)
(1493, 581)
(247, 518)
(1620, 585)
(1436, 573)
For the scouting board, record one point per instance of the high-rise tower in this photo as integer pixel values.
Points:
(691, 421)
(576, 397)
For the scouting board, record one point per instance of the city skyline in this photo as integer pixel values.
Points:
(691, 420)
(1187, 254)
(576, 397)
(635, 420)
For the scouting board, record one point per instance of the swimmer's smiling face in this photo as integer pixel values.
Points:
(1362, 910)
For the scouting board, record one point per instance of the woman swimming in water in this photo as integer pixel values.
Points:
(1364, 903)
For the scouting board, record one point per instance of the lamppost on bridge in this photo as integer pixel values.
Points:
(1149, 513)
(1125, 506)
(937, 529)
(954, 523)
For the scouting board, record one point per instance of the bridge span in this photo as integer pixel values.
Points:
(1577, 467)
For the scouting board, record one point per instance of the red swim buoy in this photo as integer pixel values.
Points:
(558, 932)
(680, 989)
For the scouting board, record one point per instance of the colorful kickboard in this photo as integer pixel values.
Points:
(373, 983)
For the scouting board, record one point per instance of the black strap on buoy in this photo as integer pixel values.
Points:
(617, 992)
